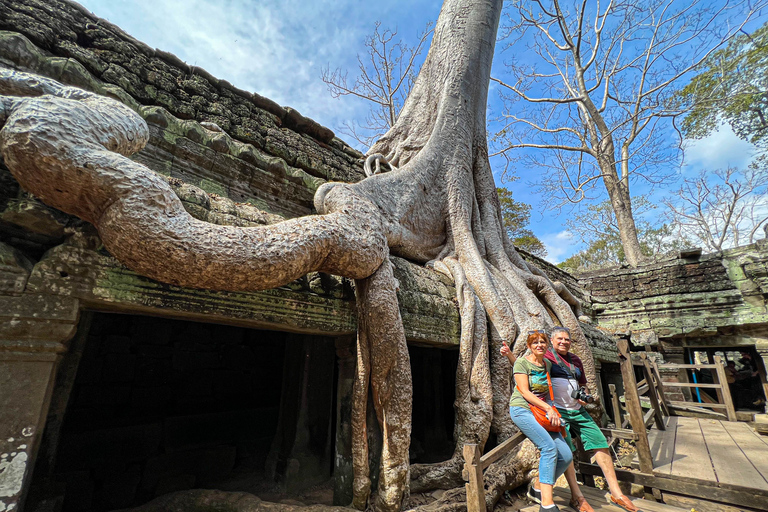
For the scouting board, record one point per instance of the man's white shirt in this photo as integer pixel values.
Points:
(561, 389)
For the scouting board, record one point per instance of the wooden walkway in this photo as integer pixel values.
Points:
(715, 460)
(717, 451)
(599, 501)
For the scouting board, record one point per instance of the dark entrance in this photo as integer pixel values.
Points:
(161, 405)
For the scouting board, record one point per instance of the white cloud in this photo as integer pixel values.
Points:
(719, 150)
(276, 48)
(560, 246)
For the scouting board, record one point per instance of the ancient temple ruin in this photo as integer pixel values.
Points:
(116, 389)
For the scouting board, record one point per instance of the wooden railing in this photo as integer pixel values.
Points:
(720, 385)
(631, 414)
(475, 464)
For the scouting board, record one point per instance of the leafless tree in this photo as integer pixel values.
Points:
(385, 75)
(594, 103)
(721, 209)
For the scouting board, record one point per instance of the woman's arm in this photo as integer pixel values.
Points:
(506, 351)
(521, 381)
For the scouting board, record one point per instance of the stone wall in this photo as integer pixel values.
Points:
(682, 297)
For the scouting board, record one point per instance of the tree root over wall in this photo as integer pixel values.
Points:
(439, 207)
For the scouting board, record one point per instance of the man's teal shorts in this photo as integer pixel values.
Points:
(580, 424)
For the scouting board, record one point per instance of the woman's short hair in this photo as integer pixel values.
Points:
(536, 336)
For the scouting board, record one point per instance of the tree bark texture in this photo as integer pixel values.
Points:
(440, 208)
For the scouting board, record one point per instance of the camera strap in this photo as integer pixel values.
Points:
(565, 365)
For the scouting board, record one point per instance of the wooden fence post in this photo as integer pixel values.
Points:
(474, 472)
(632, 403)
(660, 384)
(618, 417)
(652, 392)
(726, 390)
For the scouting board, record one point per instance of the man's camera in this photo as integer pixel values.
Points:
(580, 394)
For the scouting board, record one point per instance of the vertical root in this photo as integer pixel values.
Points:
(474, 398)
(381, 340)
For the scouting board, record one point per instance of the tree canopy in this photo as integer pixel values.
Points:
(596, 227)
(731, 87)
(515, 217)
(588, 96)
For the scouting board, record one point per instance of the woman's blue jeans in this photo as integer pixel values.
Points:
(555, 454)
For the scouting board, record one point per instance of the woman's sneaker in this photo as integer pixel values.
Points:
(534, 494)
(553, 508)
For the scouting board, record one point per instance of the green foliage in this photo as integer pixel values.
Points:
(731, 87)
(515, 216)
(597, 228)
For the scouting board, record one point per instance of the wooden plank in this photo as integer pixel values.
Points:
(649, 417)
(616, 433)
(697, 404)
(730, 411)
(660, 385)
(617, 416)
(730, 463)
(715, 491)
(600, 502)
(691, 458)
(676, 366)
(698, 410)
(501, 450)
(653, 393)
(690, 385)
(662, 444)
(474, 487)
(632, 403)
(751, 445)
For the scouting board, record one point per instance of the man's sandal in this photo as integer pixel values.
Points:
(625, 503)
(580, 504)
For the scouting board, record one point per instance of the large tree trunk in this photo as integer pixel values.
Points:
(440, 208)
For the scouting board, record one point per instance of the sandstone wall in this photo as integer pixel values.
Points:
(683, 297)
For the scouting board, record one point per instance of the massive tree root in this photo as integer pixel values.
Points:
(438, 207)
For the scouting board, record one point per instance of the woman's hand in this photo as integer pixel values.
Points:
(553, 417)
(507, 352)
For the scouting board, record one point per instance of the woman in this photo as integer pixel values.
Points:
(532, 388)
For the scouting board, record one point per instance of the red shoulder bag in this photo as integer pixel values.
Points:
(541, 415)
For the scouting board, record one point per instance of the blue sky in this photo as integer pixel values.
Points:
(278, 49)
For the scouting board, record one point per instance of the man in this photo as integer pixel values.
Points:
(749, 378)
(567, 376)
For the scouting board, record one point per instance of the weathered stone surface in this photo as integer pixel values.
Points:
(33, 331)
(14, 269)
(682, 297)
(153, 77)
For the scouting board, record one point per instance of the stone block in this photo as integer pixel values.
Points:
(214, 465)
(238, 358)
(109, 449)
(119, 368)
(174, 483)
(151, 400)
(187, 361)
(117, 491)
(218, 428)
(152, 372)
(154, 351)
(78, 494)
(116, 345)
